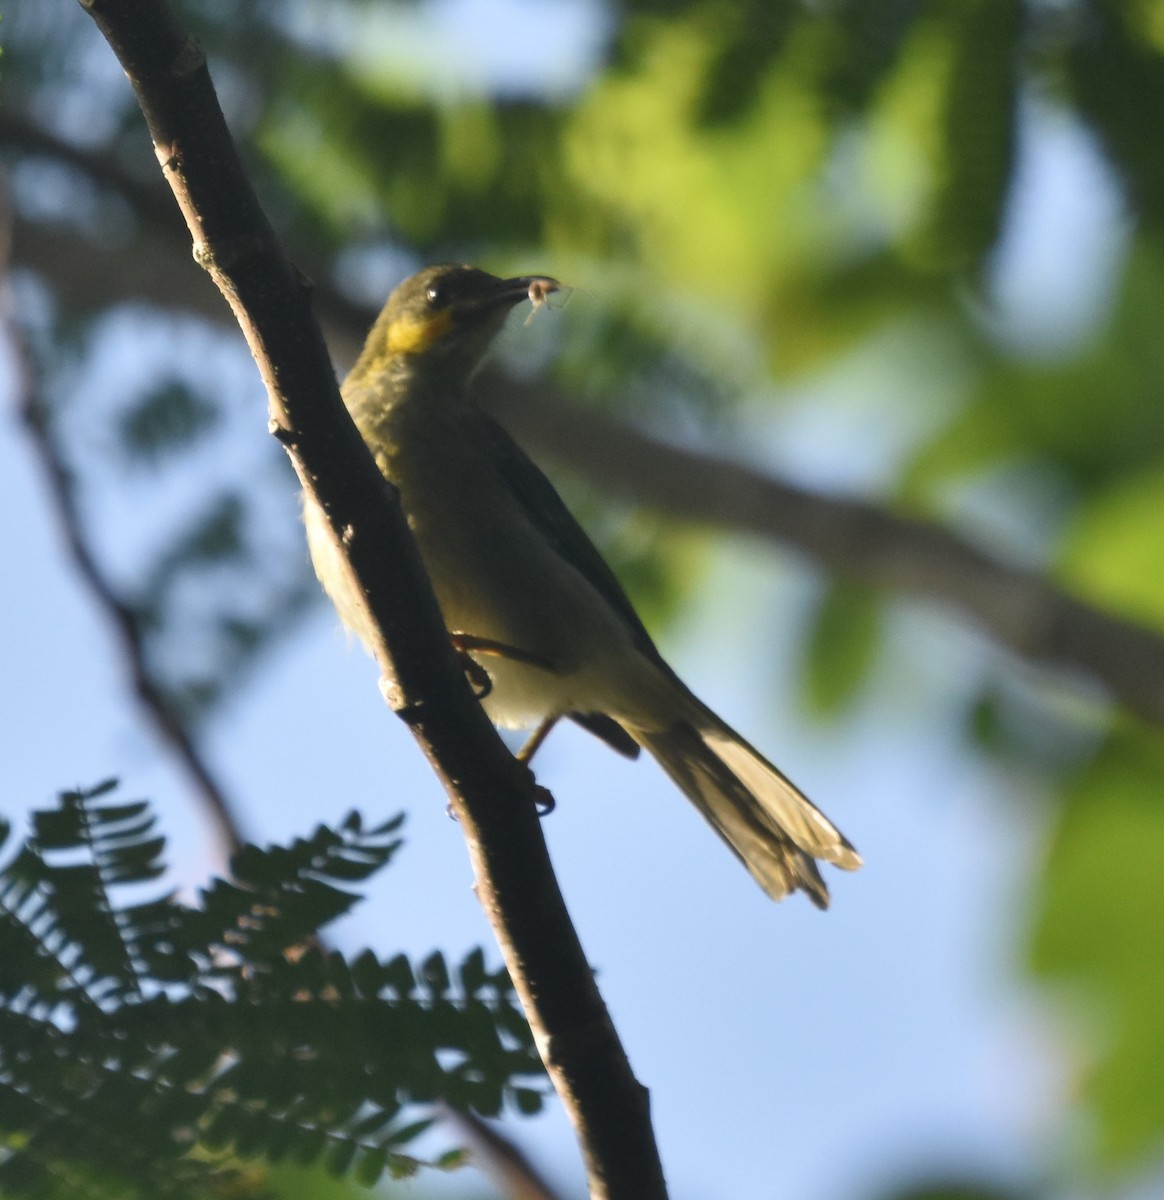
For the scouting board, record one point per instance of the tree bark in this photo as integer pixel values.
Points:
(492, 795)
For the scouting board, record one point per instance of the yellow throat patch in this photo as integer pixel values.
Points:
(411, 335)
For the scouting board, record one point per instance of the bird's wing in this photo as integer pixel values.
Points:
(548, 513)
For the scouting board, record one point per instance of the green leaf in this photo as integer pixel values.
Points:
(402, 1166)
(957, 1189)
(1099, 926)
(472, 971)
(528, 1101)
(434, 974)
(167, 419)
(371, 1166)
(1113, 554)
(841, 647)
(408, 1133)
(973, 158)
(1117, 75)
(124, 1081)
(398, 974)
(340, 1157)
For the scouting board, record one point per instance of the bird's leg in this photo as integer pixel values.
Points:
(533, 743)
(470, 643)
(479, 678)
(543, 797)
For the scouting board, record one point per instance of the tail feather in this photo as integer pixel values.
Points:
(771, 826)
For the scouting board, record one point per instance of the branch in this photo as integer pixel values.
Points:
(1021, 609)
(491, 794)
(501, 1159)
(122, 617)
(149, 199)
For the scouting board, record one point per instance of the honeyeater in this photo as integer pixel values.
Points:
(525, 594)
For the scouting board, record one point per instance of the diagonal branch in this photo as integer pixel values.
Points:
(491, 794)
(1021, 609)
(121, 615)
(501, 1159)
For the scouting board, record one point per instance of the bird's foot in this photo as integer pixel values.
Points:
(543, 798)
(544, 802)
(479, 679)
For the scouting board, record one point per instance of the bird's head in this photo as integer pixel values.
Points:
(447, 316)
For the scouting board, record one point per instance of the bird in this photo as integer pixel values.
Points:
(544, 627)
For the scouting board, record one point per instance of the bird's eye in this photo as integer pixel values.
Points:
(437, 294)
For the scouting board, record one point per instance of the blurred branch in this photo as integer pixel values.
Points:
(89, 276)
(491, 794)
(501, 1159)
(148, 199)
(1021, 609)
(121, 616)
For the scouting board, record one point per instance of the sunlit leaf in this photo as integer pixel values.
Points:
(1114, 553)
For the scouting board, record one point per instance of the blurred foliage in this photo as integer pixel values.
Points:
(1099, 927)
(151, 1048)
(167, 420)
(216, 576)
(746, 194)
(957, 1189)
(843, 639)
(1114, 555)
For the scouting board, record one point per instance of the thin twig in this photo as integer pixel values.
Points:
(149, 199)
(121, 616)
(501, 1159)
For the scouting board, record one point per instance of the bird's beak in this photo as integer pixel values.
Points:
(508, 292)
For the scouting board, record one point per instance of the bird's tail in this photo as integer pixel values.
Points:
(771, 826)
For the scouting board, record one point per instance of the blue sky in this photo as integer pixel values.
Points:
(854, 1044)
(788, 1053)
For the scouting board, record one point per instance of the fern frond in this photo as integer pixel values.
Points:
(146, 1048)
(279, 897)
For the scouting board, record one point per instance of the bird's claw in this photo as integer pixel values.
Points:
(543, 798)
(479, 679)
(544, 802)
